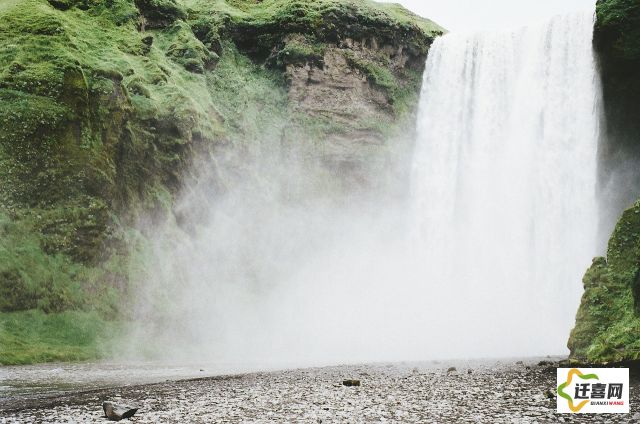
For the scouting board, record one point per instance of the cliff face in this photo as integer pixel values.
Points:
(608, 321)
(105, 104)
(617, 44)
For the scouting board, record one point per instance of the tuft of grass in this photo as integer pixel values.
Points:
(401, 14)
(402, 90)
(299, 51)
(376, 74)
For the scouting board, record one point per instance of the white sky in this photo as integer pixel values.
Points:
(469, 15)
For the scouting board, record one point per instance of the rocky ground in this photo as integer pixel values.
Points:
(480, 392)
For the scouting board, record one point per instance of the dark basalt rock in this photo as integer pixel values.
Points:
(117, 412)
(159, 13)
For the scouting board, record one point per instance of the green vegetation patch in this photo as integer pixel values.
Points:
(258, 26)
(618, 27)
(33, 336)
(251, 100)
(184, 48)
(402, 89)
(30, 278)
(608, 320)
(300, 51)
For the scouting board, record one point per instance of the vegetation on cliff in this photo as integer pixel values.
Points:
(617, 44)
(608, 320)
(37, 336)
(618, 30)
(105, 104)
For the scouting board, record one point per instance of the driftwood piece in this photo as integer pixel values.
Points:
(351, 383)
(117, 412)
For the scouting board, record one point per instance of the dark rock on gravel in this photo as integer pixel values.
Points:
(117, 412)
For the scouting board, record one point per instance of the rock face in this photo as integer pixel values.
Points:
(617, 45)
(608, 320)
(357, 87)
(105, 105)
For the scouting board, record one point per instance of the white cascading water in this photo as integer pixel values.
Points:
(504, 180)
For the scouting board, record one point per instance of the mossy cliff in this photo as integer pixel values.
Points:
(105, 104)
(608, 321)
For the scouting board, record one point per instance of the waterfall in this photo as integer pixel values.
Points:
(504, 180)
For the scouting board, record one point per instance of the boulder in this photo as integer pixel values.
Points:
(117, 412)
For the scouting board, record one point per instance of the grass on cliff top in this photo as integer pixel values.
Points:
(401, 14)
(29, 337)
(312, 12)
(39, 45)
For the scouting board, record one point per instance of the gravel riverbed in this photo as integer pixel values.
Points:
(475, 392)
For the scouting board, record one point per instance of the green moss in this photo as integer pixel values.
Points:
(33, 336)
(69, 117)
(251, 100)
(402, 89)
(608, 320)
(257, 26)
(184, 48)
(618, 25)
(376, 74)
(29, 277)
(400, 14)
(299, 51)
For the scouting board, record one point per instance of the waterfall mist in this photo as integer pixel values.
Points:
(483, 258)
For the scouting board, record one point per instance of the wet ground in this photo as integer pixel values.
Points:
(475, 392)
(51, 379)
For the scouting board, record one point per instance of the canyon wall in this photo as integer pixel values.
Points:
(105, 106)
